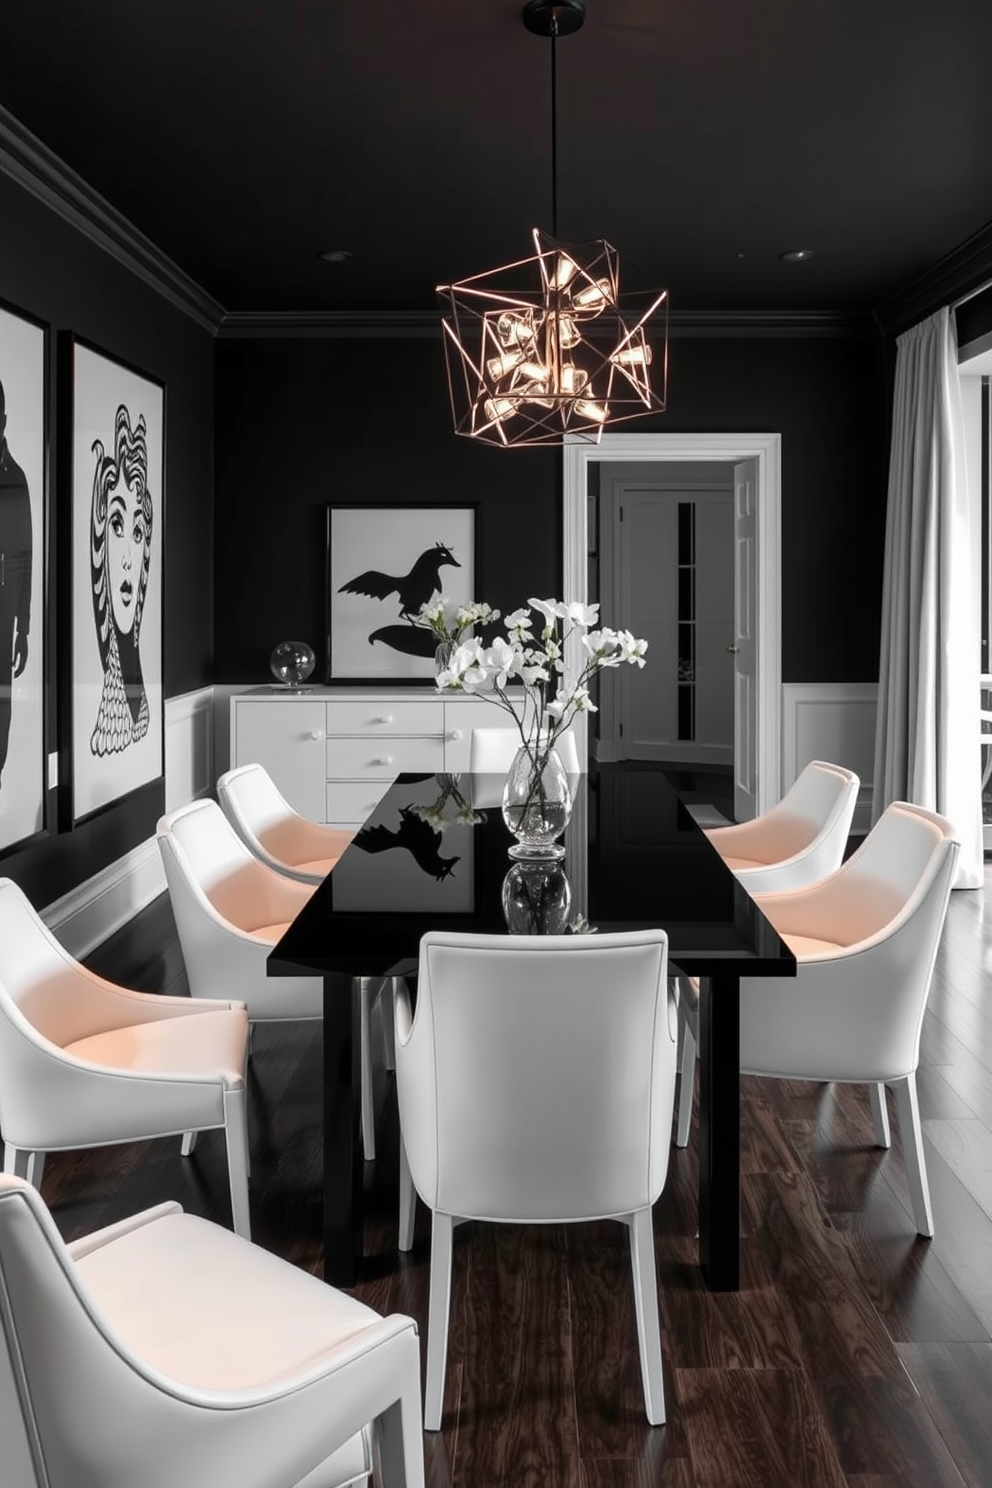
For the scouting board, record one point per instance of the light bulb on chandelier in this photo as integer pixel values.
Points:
(547, 346)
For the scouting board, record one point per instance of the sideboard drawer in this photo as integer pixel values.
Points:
(382, 758)
(386, 716)
(351, 802)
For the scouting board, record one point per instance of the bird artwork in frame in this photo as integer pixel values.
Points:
(383, 564)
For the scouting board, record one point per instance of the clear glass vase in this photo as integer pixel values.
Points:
(536, 802)
(442, 656)
(536, 899)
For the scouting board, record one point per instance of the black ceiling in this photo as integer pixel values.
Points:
(702, 137)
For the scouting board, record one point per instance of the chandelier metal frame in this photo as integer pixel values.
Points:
(548, 346)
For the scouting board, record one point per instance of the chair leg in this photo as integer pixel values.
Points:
(388, 1026)
(36, 1169)
(189, 1142)
(437, 1318)
(408, 1201)
(646, 1307)
(369, 987)
(236, 1133)
(398, 1439)
(687, 1073)
(16, 1161)
(880, 1114)
(908, 1107)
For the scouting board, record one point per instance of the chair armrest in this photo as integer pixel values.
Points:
(87, 1244)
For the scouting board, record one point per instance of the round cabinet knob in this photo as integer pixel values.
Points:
(316, 734)
(455, 735)
(385, 759)
(386, 718)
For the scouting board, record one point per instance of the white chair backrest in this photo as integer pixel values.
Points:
(493, 749)
(253, 803)
(69, 1373)
(37, 976)
(204, 857)
(814, 815)
(905, 865)
(540, 1074)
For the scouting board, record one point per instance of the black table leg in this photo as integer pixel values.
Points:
(343, 1156)
(720, 1132)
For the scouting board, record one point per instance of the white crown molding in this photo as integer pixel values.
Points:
(29, 162)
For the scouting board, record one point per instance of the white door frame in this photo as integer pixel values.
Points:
(766, 449)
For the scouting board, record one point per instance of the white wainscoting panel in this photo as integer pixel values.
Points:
(832, 721)
(95, 909)
(189, 747)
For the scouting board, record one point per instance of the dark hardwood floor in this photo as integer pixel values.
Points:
(854, 1354)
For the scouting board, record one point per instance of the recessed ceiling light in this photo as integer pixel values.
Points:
(335, 255)
(797, 255)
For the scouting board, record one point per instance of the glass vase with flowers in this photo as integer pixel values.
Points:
(450, 622)
(530, 660)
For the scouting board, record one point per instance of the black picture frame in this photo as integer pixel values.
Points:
(370, 637)
(25, 524)
(114, 687)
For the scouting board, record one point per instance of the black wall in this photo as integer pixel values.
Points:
(304, 422)
(51, 271)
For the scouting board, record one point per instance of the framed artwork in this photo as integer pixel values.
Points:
(383, 563)
(23, 621)
(117, 543)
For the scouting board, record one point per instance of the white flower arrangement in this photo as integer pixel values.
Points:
(450, 621)
(436, 813)
(531, 656)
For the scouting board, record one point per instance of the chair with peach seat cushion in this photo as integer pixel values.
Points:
(230, 911)
(801, 839)
(165, 1352)
(279, 836)
(865, 940)
(86, 1063)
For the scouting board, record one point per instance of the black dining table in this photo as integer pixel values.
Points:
(434, 856)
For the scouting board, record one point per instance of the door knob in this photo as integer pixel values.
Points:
(733, 650)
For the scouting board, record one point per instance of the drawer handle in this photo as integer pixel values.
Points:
(386, 718)
(455, 735)
(316, 734)
(385, 759)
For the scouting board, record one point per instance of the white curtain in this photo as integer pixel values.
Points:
(926, 737)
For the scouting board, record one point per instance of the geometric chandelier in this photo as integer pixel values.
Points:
(548, 346)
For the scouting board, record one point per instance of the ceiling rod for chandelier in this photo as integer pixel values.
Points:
(530, 365)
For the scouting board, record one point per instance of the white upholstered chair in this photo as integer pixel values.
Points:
(165, 1351)
(303, 850)
(231, 910)
(800, 840)
(273, 831)
(535, 1084)
(865, 940)
(86, 1063)
(492, 751)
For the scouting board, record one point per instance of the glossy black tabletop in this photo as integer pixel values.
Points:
(434, 856)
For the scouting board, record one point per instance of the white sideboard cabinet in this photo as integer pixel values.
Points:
(333, 751)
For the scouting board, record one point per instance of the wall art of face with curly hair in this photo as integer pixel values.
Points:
(121, 526)
(117, 548)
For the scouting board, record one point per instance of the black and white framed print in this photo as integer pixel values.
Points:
(23, 495)
(117, 542)
(383, 563)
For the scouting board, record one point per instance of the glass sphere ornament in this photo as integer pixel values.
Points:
(292, 662)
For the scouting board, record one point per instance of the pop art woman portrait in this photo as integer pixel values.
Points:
(118, 543)
(121, 529)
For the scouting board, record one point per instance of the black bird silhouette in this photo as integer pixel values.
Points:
(414, 588)
(417, 836)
